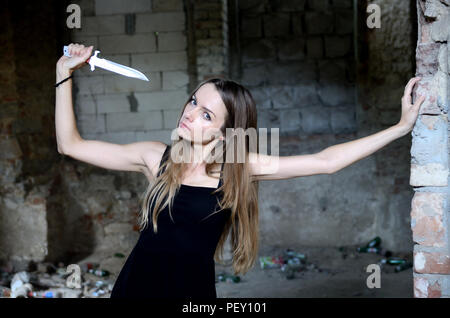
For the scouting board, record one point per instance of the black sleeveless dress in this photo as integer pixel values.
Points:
(177, 261)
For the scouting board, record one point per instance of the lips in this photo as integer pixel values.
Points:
(183, 125)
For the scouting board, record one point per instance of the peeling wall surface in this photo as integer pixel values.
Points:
(385, 65)
(296, 57)
(430, 221)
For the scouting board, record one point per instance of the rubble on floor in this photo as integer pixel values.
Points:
(47, 280)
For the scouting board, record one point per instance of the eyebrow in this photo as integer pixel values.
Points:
(209, 110)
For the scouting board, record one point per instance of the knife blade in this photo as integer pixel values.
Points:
(94, 61)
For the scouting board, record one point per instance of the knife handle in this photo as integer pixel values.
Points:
(66, 53)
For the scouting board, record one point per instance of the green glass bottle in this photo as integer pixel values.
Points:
(375, 242)
(223, 277)
(403, 266)
(233, 278)
(366, 249)
(395, 261)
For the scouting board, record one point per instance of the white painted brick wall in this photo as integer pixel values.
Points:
(112, 103)
(117, 44)
(103, 7)
(85, 104)
(120, 84)
(141, 120)
(171, 41)
(154, 135)
(91, 123)
(171, 118)
(86, 40)
(89, 85)
(158, 49)
(173, 100)
(102, 25)
(175, 80)
(167, 21)
(114, 137)
(170, 61)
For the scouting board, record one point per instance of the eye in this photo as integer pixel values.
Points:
(206, 116)
(193, 101)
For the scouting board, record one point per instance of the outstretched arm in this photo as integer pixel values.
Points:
(337, 157)
(345, 154)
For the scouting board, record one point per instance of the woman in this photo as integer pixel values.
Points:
(191, 205)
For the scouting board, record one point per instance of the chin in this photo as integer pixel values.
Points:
(182, 134)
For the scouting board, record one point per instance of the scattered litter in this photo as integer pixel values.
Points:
(374, 246)
(225, 277)
(401, 264)
(271, 262)
(289, 263)
(49, 280)
(402, 267)
(20, 286)
(393, 261)
(87, 266)
(99, 272)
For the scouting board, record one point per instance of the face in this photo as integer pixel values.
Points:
(203, 116)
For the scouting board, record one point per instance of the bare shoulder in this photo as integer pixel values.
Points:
(151, 155)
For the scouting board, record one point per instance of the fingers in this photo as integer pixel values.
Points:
(88, 52)
(79, 49)
(419, 101)
(408, 89)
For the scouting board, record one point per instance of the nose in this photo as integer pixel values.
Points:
(189, 115)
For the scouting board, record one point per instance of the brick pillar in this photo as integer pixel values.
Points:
(430, 152)
(210, 20)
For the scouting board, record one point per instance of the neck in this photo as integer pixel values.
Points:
(195, 155)
(198, 154)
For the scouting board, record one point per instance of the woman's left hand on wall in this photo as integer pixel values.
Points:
(410, 111)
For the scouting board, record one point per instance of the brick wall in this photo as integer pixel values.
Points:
(298, 62)
(385, 64)
(430, 221)
(87, 209)
(27, 137)
(137, 34)
(210, 24)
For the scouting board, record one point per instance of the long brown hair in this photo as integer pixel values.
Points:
(240, 191)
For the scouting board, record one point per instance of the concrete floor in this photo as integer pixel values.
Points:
(333, 276)
(329, 275)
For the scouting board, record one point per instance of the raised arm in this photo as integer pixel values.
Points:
(140, 156)
(337, 157)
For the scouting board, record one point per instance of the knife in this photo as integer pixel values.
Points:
(94, 61)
